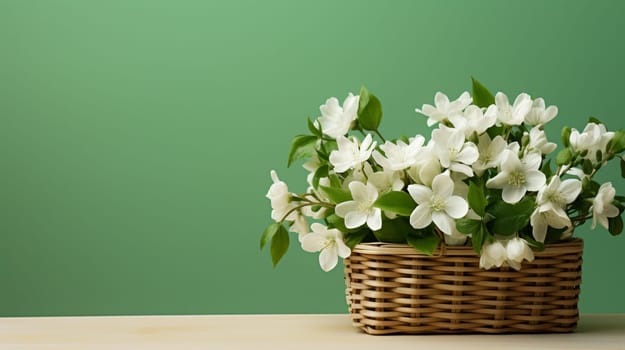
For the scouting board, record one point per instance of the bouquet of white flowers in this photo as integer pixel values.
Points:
(484, 178)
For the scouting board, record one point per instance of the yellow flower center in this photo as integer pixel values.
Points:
(516, 178)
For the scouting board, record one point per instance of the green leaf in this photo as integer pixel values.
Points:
(335, 221)
(554, 235)
(337, 195)
(546, 168)
(313, 129)
(495, 131)
(279, 245)
(369, 110)
(302, 146)
(565, 136)
(594, 120)
(425, 242)
(587, 166)
(477, 199)
(353, 238)
(622, 168)
(617, 143)
(393, 231)
(468, 226)
(510, 218)
(564, 157)
(268, 234)
(481, 96)
(397, 202)
(335, 181)
(615, 225)
(322, 171)
(323, 156)
(533, 243)
(589, 187)
(478, 238)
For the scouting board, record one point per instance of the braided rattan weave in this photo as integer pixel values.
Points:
(391, 288)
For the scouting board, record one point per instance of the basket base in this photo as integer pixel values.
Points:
(392, 289)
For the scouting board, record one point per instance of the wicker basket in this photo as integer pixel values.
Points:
(391, 288)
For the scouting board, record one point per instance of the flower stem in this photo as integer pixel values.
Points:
(321, 204)
(380, 135)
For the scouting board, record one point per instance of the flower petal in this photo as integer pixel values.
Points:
(328, 258)
(539, 226)
(510, 161)
(421, 217)
(420, 193)
(468, 155)
(501, 100)
(344, 208)
(342, 249)
(441, 100)
(359, 191)
(522, 106)
(455, 140)
(443, 222)
(532, 161)
(313, 242)
(534, 180)
(374, 221)
(355, 219)
(461, 168)
(570, 189)
(513, 194)
(442, 185)
(457, 207)
(499, 181)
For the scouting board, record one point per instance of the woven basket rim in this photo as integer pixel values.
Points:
(382, 248)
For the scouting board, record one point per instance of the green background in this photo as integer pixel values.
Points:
(136, 137)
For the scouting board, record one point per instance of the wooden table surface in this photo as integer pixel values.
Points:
(296, 332)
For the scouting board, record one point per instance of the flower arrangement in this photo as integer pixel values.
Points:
(484, 178)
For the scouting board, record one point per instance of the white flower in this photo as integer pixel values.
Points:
(602, 207)
(515, 114)
(386, 181)
(518, 250)
(320, 212)
(336, 120)
(557, 194)
(360, 210)
(552, 200)
(312, 164)
(594, 138)
(539, 115)
(453, 152)
(437, 204)
(517, 177)
(359, 173)
(280, 199)
(455, 238)
(300, 226)
(427, 166)
(474, 120)
(541, 220)
(444, 108)
(577, 172)
(493, 255)
(349, 154)
(490, 152)
(512, 253)
(329, 242)
(399, 156)
(538, 142)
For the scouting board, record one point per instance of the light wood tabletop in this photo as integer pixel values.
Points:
(297, 332)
